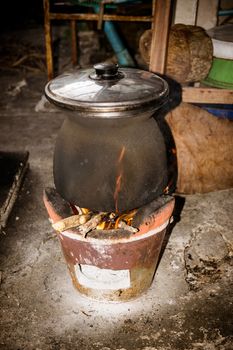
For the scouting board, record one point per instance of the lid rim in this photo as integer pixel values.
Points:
(87, 105)
(106, 106)
(135, 102)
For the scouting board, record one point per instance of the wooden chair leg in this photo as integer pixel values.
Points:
(160, 32)
(73, 27)
(48, 41)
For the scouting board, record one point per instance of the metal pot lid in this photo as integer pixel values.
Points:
(107, 88)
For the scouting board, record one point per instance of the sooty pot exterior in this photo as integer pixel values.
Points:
(110, 154)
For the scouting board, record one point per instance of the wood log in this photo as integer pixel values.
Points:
(204, 146)
(126, 227)
(91, 224)
(189, 54)
(70, 222)
(86, 223)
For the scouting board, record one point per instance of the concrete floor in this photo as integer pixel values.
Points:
(189, 305)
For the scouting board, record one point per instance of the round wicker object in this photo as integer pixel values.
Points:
(190, 52)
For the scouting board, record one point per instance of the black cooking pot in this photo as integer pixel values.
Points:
(110, 154)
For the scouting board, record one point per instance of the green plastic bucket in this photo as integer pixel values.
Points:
(220, 74)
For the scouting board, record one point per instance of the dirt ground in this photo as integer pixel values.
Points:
(189, 305)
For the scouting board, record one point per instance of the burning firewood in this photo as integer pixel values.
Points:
(70, 222)
(126, 227)
(91, 224)
(85, 223)
(88, 221)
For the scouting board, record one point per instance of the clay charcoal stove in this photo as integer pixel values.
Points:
(111, 264)
(110, 173)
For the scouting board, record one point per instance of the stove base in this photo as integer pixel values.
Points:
(112, 268)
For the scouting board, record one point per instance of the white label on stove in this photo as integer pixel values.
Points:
(95, 278)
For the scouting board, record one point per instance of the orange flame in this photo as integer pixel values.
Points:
(127, 217)
(119, 177)
(101, 225)
(117, 190)
(121, 156)
(85, 210)
(111, 221)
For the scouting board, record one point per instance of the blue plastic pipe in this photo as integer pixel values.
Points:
(123, 56)
(228, 12)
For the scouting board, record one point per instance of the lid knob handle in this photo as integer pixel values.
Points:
(106, 70)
